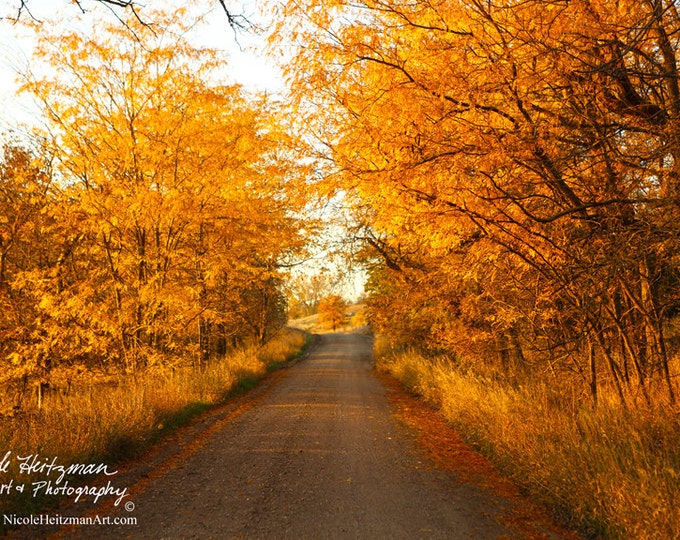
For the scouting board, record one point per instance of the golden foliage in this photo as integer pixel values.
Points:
(171, 211)
(513, 167)
(332, 311)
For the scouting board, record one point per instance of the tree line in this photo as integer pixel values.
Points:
(514, 173)
(149, 223)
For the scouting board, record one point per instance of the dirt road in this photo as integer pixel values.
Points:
(315, 453)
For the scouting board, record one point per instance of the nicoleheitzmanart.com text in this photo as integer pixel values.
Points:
(56, 519)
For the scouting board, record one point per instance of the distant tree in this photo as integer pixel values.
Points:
(332, 311)
(359, 318)
(305, 291)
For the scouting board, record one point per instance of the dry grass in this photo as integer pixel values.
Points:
(111, 422)
(355, 321)
(609, 472)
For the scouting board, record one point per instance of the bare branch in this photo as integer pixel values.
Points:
(237, 22)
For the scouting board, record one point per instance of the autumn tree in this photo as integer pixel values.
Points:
(26, 245)
(517, 162)
(305, 291)
(25, 183)
(175, 209)
(332, 311)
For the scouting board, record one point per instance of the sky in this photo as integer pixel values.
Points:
(247, 66)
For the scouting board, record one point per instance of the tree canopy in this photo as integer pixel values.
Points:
(513, 167)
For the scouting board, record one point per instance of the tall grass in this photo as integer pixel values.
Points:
(607, 471)
(110, 422)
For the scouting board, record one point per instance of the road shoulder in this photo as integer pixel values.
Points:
(448, 451)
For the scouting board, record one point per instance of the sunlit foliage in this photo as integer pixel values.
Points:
(159, 231)
(332, 311)
(514, 168)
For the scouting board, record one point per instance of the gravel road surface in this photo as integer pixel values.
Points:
(314, 452)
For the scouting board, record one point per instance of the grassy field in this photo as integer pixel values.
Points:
(355, 320)
(107, 423)
(608, 472)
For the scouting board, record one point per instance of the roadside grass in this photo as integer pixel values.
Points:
(108, 423)
(606, 471)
